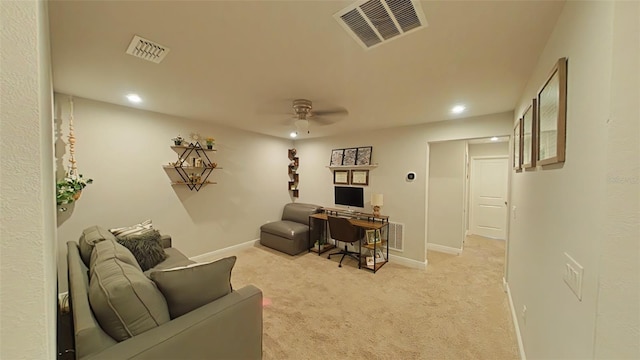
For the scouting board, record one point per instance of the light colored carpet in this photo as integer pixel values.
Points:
(456, 309)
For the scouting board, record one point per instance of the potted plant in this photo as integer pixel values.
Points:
(210, 141)
(178, 140)
(70, 188)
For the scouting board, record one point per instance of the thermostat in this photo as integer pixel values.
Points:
(411, 176)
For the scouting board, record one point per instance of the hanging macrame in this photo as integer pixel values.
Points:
(70, 188)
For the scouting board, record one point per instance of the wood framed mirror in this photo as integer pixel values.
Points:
(528, 137)
(551, 113)
(517, 145)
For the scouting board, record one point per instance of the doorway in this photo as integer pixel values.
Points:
(488, 196)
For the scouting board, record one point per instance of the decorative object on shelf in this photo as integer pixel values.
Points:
(359, 177)
(551, 116)
(373, 236)
(195, 137)
(193, 166)
(70, 188)
(341, 177)
(210, 142)
(178, 140)
(351, 157)
(377, 201)
(336, 157)
(294, 177)
(364, 155)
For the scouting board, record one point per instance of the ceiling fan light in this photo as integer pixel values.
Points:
(293, 134)
(302, 124)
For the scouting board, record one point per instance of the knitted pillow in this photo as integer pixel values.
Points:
(145, 247)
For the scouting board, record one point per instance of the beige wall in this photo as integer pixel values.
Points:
(123, 151)
(489, 149)
(27, 250)
(562, 208)
(396, 151)
(445, 218)
(618, 311)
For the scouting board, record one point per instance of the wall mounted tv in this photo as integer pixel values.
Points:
(349, 196)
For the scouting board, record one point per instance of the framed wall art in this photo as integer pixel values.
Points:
(359, 177)
(349, 158)
(336, 157)
(341, 177)
(517, 145)
(364, 155)
(551, 113)
(528, 137)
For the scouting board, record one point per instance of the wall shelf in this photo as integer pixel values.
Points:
(294, 177)
(193, 166)
(356, 167)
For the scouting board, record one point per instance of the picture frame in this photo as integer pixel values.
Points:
(341, 177)
(359, 177)
(336, 157)
(517, 145)
(528, 137)
(373, 237)
(551, 116)
(349, 157)
(363, 156)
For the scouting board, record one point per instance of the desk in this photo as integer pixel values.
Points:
(361, 220)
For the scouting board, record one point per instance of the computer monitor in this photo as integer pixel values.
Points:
(349, 196)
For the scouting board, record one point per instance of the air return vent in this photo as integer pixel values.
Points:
(147, 49)
(373, 22)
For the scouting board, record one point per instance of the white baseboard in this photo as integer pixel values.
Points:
(415, 264)
(444, 249)
(217, 254)
(514, 316)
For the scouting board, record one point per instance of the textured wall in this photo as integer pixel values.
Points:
(618, 321)
(27, 256)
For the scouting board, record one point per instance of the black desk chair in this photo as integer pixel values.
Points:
(342, 230)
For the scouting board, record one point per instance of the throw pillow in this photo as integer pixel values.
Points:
(189, 287)
(106, 250)
(124, 301)
(133, 229)
(145, 247)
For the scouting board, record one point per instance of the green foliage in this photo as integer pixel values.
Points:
(67, 188)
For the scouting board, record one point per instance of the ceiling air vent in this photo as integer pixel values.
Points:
(374, 22)
(147, 49)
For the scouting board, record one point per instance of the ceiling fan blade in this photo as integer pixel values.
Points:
(336, 111)
(323, 120)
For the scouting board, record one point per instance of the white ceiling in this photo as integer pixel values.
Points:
(241, 63)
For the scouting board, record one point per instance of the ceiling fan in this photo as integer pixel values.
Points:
(303, 114)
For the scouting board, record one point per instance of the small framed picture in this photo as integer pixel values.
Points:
(373, 236)
(363, 156)
(349, 158)
(359, 177)
(341, 177)
(336, 157)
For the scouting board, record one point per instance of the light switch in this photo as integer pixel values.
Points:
(573, 275)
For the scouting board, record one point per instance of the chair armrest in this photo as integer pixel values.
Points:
(227, 328)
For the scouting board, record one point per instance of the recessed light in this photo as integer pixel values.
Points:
(458, 109)
(495, 138)
(134, 98)
(293, 134)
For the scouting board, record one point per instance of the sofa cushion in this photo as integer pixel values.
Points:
(286, 229)
(190, 287)
(106, 250)
(146, 247)
(298, 212)
(125, 302)
(89, 238)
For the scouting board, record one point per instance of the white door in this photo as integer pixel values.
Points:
(489, 179)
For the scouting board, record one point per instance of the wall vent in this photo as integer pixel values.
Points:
(396, 236)
(147, 49)
(374, 22)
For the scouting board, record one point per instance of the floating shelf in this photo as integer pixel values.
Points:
(337, 167)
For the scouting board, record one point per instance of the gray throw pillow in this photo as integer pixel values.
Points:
(187, 288)
(146, 247)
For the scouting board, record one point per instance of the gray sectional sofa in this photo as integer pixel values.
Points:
(119, 312)
(291, 233)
